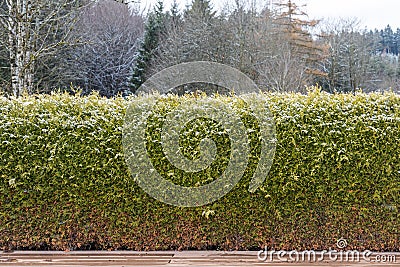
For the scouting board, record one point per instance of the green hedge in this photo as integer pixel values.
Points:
(64, 183)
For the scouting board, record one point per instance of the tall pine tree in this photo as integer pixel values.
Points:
(153, 31)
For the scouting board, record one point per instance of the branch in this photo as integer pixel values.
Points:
(128, 2)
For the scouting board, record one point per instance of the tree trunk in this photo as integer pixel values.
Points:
(20, 46)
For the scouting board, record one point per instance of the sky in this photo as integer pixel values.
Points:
(372, 13)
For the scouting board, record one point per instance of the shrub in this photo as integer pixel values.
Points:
(64, 183)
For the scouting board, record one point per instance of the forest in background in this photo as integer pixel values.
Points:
(112, 47)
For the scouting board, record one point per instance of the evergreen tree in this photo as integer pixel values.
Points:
(175, 11)
(200, 10)
(200, 40)
(397, 40)
(173, 20)
(153, 31)
(389, 42)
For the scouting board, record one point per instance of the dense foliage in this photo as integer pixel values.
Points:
(64, 183)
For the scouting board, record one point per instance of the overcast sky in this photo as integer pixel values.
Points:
(372, 13)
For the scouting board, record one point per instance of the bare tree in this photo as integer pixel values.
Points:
(4, 63)
(297, 54)
(281, 70)
(34, 29)
(387, 66)
(241, 30)
(109, 34)
(349, 64)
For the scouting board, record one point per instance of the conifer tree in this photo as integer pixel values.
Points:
(296, 31)
(175, 10)
(153, 31)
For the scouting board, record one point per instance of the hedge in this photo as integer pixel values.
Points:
(64, 183)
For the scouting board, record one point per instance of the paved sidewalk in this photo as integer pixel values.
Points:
(174, 258)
